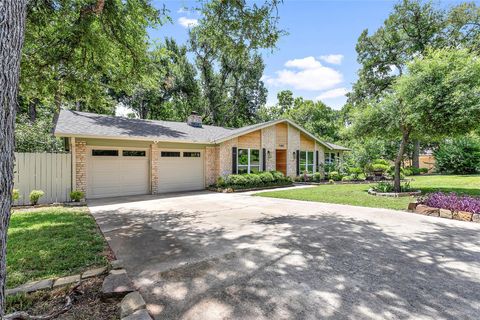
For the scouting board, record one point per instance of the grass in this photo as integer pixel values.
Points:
(356, 194)
(52, 242)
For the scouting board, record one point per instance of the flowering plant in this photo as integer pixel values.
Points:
(452, 201)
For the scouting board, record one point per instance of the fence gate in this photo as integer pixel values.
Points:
(49, 172)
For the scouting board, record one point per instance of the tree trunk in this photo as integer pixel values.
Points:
(398, 160)
(32, 110)
(416, 154)
(12, 24)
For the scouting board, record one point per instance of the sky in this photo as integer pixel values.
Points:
(317, 59)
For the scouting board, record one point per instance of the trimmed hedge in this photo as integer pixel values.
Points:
(253, 180)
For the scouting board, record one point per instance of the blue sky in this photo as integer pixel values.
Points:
(317, 59)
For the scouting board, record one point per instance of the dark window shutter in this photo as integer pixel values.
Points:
(298, 162)
(234, 160)
(264, 160)
(317, 163)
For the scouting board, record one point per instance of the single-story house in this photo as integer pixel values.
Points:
(117, 156)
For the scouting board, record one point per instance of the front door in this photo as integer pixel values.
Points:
(281, 161)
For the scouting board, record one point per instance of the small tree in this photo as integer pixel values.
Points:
(438, 96)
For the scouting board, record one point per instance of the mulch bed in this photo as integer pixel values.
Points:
(87, 305)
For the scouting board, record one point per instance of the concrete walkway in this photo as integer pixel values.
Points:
(236, 256)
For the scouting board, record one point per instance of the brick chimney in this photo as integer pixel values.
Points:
(194, 120)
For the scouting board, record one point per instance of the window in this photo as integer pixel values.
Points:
(134, 153)
(170, 154)
(307, 161)
(191, 154)
(105, 153)
(329, 158)
(248, 161)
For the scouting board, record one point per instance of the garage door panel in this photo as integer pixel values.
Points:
(181, 173)
(117, 176)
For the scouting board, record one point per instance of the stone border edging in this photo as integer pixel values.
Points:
(55, 282)
(444, 213)
(394, 194)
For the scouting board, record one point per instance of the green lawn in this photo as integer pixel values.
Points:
(52, 242)
(356, 194)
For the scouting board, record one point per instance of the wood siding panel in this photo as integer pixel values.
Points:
(281, 136)
(250, 140)
(306, 143)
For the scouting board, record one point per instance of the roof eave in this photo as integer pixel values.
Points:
(130, 138)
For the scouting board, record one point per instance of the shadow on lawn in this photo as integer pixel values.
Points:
(322, 266)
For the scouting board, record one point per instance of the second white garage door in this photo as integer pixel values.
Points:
(180, 170)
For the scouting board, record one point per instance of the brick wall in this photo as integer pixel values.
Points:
(225, 156)
(211, 165)
(293, 146)
(81, 166)
(268, 142)
(154, 162)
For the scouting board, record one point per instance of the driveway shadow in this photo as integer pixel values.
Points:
(320, 266)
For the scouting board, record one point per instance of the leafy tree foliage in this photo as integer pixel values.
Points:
(229, 62)
(458, 156)
(438, 96)
(77, 52)
(36, 136)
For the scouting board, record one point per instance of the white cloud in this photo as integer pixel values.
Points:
(331, 94)
(183, 10)
(310, 76)
(332, 58)
(187, 22)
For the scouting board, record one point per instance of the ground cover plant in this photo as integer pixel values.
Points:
(452, 201)
(52, 242)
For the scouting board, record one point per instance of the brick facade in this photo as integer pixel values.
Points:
(81, 166)
(293, 146)
(154, 162)
(212, 165)
(225, 156)
(268, 142)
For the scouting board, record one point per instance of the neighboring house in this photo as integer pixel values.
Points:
(115, 156)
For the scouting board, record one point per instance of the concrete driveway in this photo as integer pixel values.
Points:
(235, 256)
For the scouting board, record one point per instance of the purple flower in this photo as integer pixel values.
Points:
(452, 202)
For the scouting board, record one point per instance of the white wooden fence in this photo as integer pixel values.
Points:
(49, 172)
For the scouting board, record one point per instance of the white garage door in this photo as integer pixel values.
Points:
(117, 172)
(180, 170)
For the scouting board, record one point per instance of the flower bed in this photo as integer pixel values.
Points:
(450, 206)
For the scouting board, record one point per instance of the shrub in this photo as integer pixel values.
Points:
(334, 175)
(220, 182)
(77, 195)
(279, 176)
(355, 173)
(331, 181)
(266, 177)
(347, 178)
(452, 202)
(317, 176)
(379, 167)
(381, 161)
(236, 180)
(387, 186)
(15, 194)
(362, 177)
(253, 180)
(408, 172)
(35, 195)
(458, 156)
(423, 170)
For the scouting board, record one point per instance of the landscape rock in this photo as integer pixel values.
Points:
(462, 215)
(31, 287)
(139, 315)
(117, 284)
(66, 280)
(476, 217)
(93, 272)
(412, 206)
(117, 264)
(445, 213)
(427, 211)
(131, 302)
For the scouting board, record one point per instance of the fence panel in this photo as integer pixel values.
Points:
(50, 172)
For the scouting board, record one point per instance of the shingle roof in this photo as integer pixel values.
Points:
(337, 147)
(83, 124)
